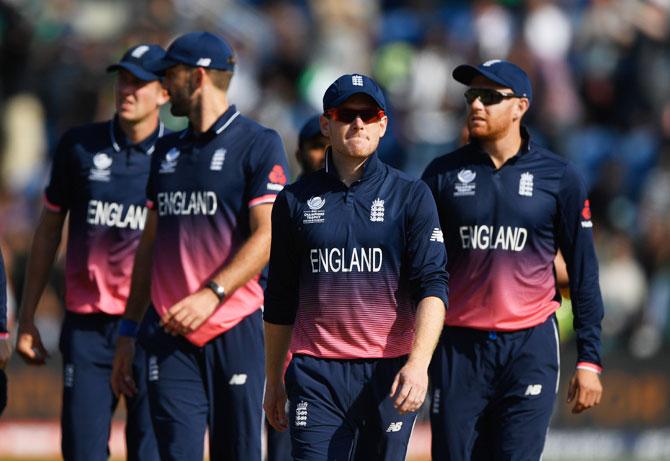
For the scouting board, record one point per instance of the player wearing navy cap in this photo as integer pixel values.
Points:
(357, 285)
(98, 178)
(207, 238)
(506, 206)
(5, 345)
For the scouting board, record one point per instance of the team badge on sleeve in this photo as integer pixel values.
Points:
(437, 235)
(586, 215)
(277, 178)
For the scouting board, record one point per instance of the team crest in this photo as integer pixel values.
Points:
(101, 170)
(377, 211)
(217, 160)
(526, 184)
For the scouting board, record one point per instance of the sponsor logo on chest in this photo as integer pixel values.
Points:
(465, 185)
(169, 163)
(102, 167)
(315, 214)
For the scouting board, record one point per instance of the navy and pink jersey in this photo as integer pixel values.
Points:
(3, 300)
(502, 229)
(202, 188)
(348, 265)
(99, 178)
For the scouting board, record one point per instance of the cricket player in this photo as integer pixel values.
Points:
(506, 206)
(207, 238)
(357, 285)
(98, 179)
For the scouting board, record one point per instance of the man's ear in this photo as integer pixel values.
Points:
(324, 124)
(520, 108)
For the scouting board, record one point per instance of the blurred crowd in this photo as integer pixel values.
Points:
(600, 70)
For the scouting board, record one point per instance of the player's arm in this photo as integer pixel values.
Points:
(191, 312)
(42, 254)
(122, 379)
(411, 383)
(576, 244)
(427, 259)
(281, 304)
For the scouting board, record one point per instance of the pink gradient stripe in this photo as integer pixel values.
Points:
(51, 206)
(269, 198)
(589, 366)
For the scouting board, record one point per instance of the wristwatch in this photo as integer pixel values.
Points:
(217, 289)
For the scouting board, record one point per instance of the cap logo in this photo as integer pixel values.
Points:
(139, 51)
(357, 80)
(204, 62)
(491, 62)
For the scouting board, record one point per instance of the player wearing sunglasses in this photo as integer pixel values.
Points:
(506, 206)
(357, 287)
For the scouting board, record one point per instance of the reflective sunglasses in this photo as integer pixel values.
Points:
(487, 96)
(349, 115)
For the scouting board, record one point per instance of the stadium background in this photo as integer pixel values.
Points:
(601, 75)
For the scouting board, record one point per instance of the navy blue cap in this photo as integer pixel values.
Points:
(197, 49)
(350, 84)
(135, 61)
(311, 129)
(502, 72)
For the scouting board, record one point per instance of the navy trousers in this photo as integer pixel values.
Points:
(219, 386)
(493, 393)
(87, 343)
(341, 410)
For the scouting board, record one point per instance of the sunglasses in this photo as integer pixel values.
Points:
(349, 115)
(487, 96)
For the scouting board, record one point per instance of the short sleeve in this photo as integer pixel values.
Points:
(267, 169)
(58, 193)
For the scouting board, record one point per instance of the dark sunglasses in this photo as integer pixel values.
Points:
(487, 96)
(349, 115)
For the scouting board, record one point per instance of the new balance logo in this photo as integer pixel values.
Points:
(533, 389)
(204, 62)
(217, 160)
(238, 379)
(357, 80)
(139, 51)
(394, 427)
(437, 235)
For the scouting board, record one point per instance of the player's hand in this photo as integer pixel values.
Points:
(5, 351)
(585, 390)
(29, 344)
(274, 405)
(189, 313)
(122, 379)
(409, 388)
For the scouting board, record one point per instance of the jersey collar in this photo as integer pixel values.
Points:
(120, 141)
(371, 167)
(218, 127)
